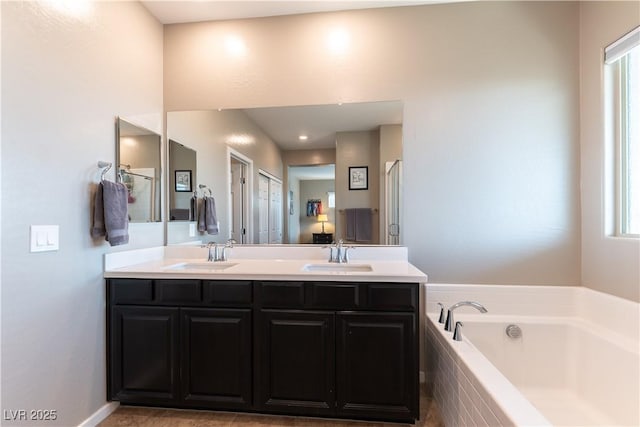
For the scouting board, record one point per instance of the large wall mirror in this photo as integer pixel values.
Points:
(138, 158)
(298, 174)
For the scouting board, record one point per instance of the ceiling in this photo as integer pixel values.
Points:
(173, 12)
(305, 173)
(320, 123)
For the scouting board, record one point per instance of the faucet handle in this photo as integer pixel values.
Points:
(345, 253)
(457, 332)
(441, 318)
(230, 243)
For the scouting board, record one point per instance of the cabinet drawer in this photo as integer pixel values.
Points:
(227, 293)
(282, 294)
(338, 296)
(178, 291)
(131, 291)
(392, 296)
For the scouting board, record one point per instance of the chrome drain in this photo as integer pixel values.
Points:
(513, 331)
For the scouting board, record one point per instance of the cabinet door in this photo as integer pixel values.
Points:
(376, 365)
(297, 362)
(216, 358)
(144, 355)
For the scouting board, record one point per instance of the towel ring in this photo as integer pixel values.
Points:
(106, 166)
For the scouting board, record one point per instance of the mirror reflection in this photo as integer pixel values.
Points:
(138, 159)
(183, 178)
(299, 174)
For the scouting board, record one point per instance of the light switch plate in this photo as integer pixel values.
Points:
(192, 230)
(44, 238)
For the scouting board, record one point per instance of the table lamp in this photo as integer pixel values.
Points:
(323, 218)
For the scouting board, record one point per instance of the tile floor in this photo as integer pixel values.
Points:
(132, 416)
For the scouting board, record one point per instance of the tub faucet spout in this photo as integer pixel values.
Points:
(448, 326)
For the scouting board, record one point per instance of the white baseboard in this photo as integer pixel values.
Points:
(99, 416)
(422, 377)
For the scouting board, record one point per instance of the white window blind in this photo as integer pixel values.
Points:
(622, 46)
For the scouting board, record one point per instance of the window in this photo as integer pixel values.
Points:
(331, 196)
(623, 57)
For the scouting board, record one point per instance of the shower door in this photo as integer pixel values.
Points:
(393, 181)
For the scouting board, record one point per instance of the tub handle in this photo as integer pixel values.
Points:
(457, 332)
(441, 318)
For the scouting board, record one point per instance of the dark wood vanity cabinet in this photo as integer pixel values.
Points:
(338, 349)
(333, 349)
(170, 344)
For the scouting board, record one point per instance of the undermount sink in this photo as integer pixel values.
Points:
(208, 266)
(330, 267)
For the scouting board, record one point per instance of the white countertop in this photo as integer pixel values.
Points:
(157, 263)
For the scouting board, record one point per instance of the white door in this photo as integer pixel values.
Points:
(263, 209)
(275, 211)
(238, 201)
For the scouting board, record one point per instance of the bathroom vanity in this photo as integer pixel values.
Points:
(276, 335)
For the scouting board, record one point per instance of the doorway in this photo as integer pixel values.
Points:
(239, 198)
(309, 184)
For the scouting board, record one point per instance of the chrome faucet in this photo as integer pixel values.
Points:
(218, 252)
(222, 256)
(212, 253)
(448, 326)
(457, 332)
(341, 254)
(441, 318)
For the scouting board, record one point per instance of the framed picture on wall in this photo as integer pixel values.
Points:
(183, 181)
(358, 177)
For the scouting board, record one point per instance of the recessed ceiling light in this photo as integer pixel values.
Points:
(303, 137)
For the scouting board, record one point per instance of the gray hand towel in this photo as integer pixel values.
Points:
(211, 218)
(202, 227)
(97, 227)
(363, 225)
(116, 214)
(350, 215)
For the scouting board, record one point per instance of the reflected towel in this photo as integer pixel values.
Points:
(350, 215)
(207, 217)
(179, 214)
(358, 226)
(363, 225)
(116, 214)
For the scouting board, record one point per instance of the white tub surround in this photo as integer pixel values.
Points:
(577, 362)
(286, 262)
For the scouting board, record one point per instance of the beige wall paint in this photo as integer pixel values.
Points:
(210, 132)
(609, 264)
(357, 149)
(64, 80)
(315, 189)
(490, 132)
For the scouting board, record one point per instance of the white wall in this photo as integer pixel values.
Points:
(490, 130)
(64, 80)
(609, 264)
